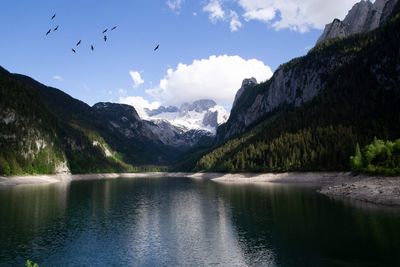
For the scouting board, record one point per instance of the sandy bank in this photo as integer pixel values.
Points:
(49, 179)
(320, 178)
(33, 179)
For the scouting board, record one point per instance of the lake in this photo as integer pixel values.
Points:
(185, 222)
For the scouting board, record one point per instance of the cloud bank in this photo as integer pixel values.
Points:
(296, 15)
(217, 78)
(139, 103)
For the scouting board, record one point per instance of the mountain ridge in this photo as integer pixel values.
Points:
(363, 17)
(351, 94)
(203, 114)
(44, 130)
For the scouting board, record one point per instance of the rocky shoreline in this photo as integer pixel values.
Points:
(377, 190)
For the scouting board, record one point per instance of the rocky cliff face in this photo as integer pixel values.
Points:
(292, 84)
(300, 80)
(245, 84)
(363, 17)
(197, 106)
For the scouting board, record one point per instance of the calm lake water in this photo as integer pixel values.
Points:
(183, 222)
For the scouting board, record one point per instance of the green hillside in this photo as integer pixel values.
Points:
(359, 102)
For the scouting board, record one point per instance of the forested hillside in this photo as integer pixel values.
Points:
(359, 101)
(44, 130)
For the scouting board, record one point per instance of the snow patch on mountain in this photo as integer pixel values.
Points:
(203, 115)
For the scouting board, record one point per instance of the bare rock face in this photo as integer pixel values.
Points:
(302, 79)
(197, 106)
(292, 84)
(245, 84)
(363, 17)
(211, 119)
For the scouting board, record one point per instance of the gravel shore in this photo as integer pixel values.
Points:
(377, 190)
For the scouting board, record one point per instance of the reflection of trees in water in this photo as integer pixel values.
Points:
(304, 227)
(26, 212)
(29, 207)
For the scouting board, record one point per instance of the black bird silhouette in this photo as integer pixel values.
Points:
(91, 47)
(53, 16)
(105, 38)
(73, 50)
(78, 43)
(49, 31)
(113, 28)
(156, 47)
(56, 28)
(105, 31)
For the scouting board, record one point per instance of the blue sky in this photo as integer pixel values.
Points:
(186, 31)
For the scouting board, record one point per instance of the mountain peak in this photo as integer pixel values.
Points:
(203, 114)
(198, 106)
(363, 17)
(108, 107)
(245, 84)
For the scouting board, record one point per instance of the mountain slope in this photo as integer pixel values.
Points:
(28, 138)
(34, 141)
(314, 110)
(44, 130)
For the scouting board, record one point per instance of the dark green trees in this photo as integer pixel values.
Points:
(379, 157)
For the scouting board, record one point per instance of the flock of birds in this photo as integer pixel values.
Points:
(80, 41)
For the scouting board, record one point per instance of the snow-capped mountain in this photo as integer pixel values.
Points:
(203, 115)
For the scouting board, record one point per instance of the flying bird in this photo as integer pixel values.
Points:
(53, 16)
(92, 47)
(156, 47)
(105, 31)
(56, 28)
(105, 38)
(113, 28)
(78, 43)
(49, 31)
(73, 50)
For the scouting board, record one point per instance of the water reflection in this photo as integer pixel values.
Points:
(176, 222)
(307, 229)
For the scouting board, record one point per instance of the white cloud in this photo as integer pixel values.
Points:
(217, 13)
(58, 78)
(296, 15)
(235, 23)
(139, 103)
(214, 8)
(217, 78)
(136, 78)
(175, 5)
